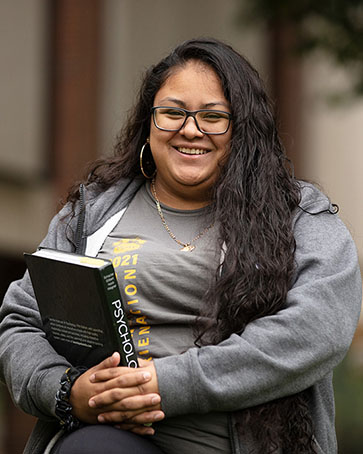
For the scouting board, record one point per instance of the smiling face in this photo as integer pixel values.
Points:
(187, 161)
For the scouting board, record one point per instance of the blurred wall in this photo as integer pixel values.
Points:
(25, 194)
(332, 140)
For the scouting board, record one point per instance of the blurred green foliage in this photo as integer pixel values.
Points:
(334, 26)
(348, 386)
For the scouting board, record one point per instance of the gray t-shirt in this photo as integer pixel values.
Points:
(163, 290)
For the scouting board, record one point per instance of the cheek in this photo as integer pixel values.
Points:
(159, 137)
(154, 145)
(159, 145)
(225, 151)
(153, 135)
(224, 146)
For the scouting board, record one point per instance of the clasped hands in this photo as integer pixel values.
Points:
(124, 397)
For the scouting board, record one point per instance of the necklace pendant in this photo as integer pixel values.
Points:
(188, 248)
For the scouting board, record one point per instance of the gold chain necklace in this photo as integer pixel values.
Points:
(187, 247)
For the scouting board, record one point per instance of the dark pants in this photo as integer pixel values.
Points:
(100, 439)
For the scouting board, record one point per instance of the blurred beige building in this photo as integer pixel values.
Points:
(69, 73)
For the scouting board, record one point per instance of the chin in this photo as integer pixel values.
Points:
(195, 181)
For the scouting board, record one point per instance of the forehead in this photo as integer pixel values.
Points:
(195, 78)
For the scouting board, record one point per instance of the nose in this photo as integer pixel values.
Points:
(190, 129)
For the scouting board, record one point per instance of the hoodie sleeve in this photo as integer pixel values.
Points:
(29, 366)
(287, 352)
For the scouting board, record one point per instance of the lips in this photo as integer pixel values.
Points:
(192, 151)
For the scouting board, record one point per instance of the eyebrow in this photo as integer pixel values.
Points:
(204, 106)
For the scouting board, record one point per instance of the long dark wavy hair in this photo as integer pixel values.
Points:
(254, 201)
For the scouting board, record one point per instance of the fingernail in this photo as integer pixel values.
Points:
(150, 432)
(92, 403)
(101, 418)
(146, 375)
(155, 400)
(114, 356)
(158, 416)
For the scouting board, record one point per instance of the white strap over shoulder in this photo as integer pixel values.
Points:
(53, 441)
(96, 240)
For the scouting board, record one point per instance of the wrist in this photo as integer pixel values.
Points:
(63, 407)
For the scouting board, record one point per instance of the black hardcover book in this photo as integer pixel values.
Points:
(81, 308)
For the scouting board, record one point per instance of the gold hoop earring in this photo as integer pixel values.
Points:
(141, 165)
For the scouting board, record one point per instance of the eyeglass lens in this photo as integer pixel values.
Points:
(209, 121)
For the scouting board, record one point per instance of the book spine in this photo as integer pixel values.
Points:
(116, 311)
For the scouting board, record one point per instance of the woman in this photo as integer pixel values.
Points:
(245, 284)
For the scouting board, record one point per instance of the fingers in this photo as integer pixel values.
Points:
(124, 399)
(147, 417)
(131, 417)
(136, 428)
(143, 362)
(111, 361)
(143, 380)
(122, 377)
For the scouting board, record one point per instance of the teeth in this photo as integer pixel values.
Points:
(191, 150)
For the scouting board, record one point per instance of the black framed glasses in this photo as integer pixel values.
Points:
(207, 121)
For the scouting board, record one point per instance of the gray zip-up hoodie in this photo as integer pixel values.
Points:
(279, 355)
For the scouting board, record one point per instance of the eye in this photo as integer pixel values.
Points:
(172, 113)
(212, 115)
